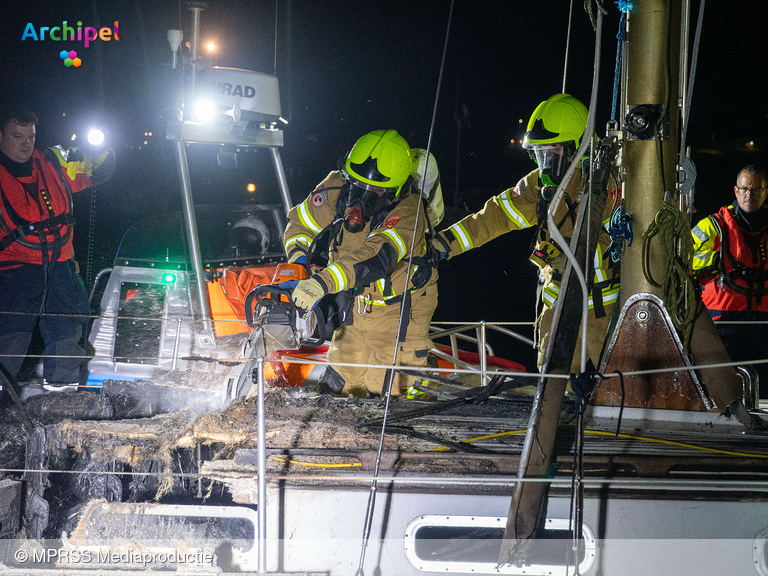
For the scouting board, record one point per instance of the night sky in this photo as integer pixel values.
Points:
(347, 67)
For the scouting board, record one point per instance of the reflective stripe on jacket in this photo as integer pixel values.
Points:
(515, 209)
(735, 276)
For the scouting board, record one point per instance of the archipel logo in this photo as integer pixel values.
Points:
(68, 33)
(70, 58)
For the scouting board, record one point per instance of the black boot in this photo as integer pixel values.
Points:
(331, 382)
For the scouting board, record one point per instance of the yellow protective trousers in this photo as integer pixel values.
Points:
(371, 340)
(596, 330)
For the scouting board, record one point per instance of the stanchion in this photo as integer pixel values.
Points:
(261, 455)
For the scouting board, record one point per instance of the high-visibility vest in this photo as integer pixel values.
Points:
(741, 283)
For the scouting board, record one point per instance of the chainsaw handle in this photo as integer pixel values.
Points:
(269, 296)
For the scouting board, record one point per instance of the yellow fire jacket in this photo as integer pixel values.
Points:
(515, 209)
(375, 260)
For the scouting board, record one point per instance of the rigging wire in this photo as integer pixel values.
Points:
(686, 187)
(274, 66)
(567, 44)
(692, 76)
(390, 374)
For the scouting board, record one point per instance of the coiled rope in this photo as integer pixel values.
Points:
(677, 284)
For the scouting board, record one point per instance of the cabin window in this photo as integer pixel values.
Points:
(760, 552)
(471, 544)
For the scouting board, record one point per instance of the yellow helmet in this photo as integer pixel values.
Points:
(380, 161)
(559, 119)
(553, 136)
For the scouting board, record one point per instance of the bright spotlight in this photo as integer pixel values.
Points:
(205, 110)
(211, 46)
(95, 137)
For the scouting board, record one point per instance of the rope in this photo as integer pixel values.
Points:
(621, 406)
(583, 385)
(625, 6)
(677, 285)
(626, 437)
(591, 13)
(620, 231)
(315, 464)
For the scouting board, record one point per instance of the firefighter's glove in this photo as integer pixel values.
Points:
(559, 263)
(307, 293)
(298, 258)
(441, 245)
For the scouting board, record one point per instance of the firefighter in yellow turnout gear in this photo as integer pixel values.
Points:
(366, 212)
(553, 136)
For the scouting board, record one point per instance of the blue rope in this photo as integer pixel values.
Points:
(620, 230)
(625, 6)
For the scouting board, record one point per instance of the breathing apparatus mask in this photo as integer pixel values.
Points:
(364, 203)
(552, 160)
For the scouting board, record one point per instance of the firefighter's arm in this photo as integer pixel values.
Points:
(307, 220)
(378, 255)
(706, 249)
(513, 209)
(85, 169)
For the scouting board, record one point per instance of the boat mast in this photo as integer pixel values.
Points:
(653, 100)
(651, 104)
(651, 110)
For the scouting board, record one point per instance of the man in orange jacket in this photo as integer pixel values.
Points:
(731, 265)
(39, 283)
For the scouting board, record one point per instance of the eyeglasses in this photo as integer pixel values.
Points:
(751, 190)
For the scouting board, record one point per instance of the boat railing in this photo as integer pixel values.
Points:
(458, 331)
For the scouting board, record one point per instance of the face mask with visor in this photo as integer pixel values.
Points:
(365, 202)
(553, 160)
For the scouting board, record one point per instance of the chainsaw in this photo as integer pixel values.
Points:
(277, 324)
